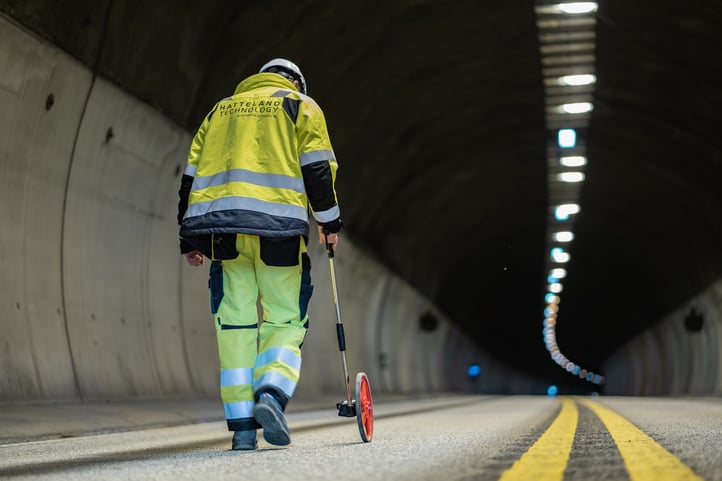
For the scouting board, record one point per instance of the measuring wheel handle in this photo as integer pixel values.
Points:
(361, 406)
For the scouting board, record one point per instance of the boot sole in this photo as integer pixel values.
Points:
(275, 430)
(244, 447)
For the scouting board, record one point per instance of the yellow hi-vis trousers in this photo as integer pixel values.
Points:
(260, 355)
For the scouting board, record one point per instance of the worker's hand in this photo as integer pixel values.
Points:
(194, 258)
(332, 238)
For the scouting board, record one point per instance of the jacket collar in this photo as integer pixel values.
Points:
(261, 80)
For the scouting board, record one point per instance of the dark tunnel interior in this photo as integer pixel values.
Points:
(437, 114)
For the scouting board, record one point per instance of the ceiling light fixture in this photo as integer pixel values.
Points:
(562, 212)
(573, 161)
(576, 108)
(567, 138)
(576, 8)
(571, 176)
(564, 236)
(575, 80)
(559, 273)
(558, 255)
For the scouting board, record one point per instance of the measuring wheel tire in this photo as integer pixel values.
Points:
(364, 407)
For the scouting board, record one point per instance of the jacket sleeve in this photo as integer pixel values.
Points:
(189, 174)
(318, 166)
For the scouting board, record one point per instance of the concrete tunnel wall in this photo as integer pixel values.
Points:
(96, 303)
(669, 359)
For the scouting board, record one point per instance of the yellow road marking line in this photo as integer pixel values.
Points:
(547, 459)
(644, 459)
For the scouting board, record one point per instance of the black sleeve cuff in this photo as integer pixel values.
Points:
(185, 246)
(333, 227)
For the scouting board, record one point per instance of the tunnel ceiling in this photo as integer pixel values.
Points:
(436, 110)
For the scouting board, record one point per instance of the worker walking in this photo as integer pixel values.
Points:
(260, 161)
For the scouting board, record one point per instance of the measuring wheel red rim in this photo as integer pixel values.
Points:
(364, 407)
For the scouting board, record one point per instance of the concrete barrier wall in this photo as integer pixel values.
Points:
(669, 359)
(36, 147)
(117, 250)
(95, 301)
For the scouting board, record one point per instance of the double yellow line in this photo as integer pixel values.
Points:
(644, 459)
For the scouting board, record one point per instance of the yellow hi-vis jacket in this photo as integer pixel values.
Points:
(258, 162)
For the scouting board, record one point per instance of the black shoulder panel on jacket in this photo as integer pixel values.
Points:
(290, 106)
(183, 194)
(318, 181)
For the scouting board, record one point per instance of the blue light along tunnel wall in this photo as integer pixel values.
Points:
(95, 301)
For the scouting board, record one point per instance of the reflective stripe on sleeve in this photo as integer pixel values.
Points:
(316, 156)
(327, 215)
(190, 170)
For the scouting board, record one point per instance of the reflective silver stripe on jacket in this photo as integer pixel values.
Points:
(247, 203)
(327, 215)
(316, 156)
(190, 170)
(278, 181)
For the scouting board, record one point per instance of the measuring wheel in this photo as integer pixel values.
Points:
(364, 407)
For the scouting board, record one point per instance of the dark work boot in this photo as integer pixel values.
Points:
(244, 440)
(269, 414)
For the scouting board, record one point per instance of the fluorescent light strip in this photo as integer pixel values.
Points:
(576, 108)
(573, 161)
(576, 8)
(571, 176)
(575, 80)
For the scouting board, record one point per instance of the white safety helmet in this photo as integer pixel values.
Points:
(286, 68)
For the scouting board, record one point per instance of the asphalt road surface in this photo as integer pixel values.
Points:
(459, 438)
